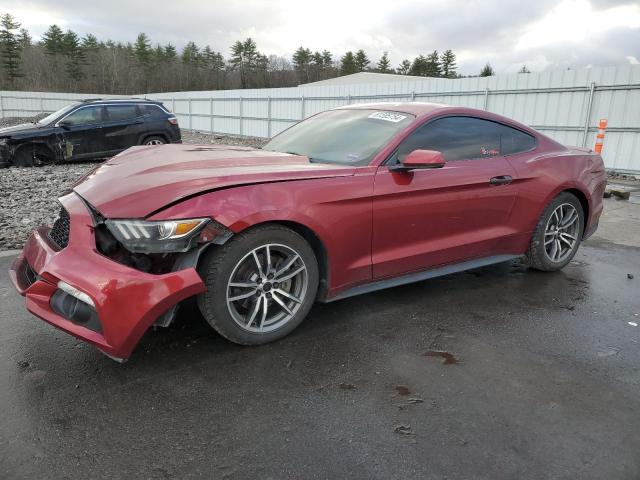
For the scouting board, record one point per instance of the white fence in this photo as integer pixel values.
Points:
(564, 104)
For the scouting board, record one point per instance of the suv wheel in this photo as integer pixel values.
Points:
(154, 141)
(557, 235)
(260, 285)
(33, 156)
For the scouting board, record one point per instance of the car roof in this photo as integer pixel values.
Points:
(119, 100)
(422, 109)
(414, 108)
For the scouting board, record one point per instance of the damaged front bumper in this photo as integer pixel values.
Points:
(90, 296)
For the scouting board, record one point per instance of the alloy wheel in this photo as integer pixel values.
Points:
(154, 141)
(267, 288)
(561, 232)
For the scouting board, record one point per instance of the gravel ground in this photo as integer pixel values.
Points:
(29, 194)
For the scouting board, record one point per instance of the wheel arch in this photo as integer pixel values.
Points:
(584, 202)
(146, 135)
(575, 190)
(34, 144)
(312, 238)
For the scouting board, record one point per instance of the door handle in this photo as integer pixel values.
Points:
(501, 180)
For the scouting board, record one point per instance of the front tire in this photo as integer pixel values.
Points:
(557, 235)
(33, 156)
(261, 285)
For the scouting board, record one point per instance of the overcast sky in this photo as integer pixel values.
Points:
(542, 34)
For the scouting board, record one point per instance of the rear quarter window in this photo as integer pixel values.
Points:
(515, 141)
(153, 111)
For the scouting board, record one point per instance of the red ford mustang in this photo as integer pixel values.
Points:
(349, 201)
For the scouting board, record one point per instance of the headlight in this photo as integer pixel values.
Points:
(164, 236)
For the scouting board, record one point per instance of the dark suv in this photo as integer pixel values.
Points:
(91, 129)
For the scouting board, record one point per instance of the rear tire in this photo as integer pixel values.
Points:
(557, 235)
(261, 285)
(155, 140)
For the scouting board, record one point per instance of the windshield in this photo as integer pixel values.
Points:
(350, 137)
(53, 116)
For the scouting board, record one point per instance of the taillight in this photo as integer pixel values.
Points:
(173, 120)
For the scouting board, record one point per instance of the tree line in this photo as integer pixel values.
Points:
(63, 61)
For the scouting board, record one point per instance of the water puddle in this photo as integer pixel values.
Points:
(448, 359)
(402, 390)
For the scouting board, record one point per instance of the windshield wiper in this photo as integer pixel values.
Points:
(311, 159)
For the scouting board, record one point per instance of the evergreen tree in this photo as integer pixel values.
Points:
(52, 40)
(384, 65)
(420, 66)
(169, 51)
(404, 68)
(74, 55)
(327, 59)
(317, 60)
(487, 71)
(362, 61)
(142, 50)
(348, 64)
(301, 63)
(89, 42)
(244, 58)
(24, 38)
(448, 64)
(433, 65)
(10, 49)
(191, 54)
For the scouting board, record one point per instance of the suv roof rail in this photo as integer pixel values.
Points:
(86, 100)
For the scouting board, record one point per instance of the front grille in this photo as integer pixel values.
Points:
(59, 234)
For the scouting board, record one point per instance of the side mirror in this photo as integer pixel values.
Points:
(420, 159)
(64, 124)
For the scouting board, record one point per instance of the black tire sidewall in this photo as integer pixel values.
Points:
(218, 265)
(541, 260)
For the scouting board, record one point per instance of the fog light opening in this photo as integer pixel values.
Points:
(74, 292)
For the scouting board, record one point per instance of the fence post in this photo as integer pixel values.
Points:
(1, 107)
(190, 123)
(486, 99)
(41, 105)
(588, 115)
(413, 96)
(241, 129)
(302, 107)
(348, 98)
(211, 113)
(269, 117)
(173, 105)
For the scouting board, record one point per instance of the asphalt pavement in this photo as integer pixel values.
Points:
(495, 373)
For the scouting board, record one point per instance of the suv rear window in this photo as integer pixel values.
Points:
(122, 112)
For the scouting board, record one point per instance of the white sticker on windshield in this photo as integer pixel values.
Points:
(388, 116)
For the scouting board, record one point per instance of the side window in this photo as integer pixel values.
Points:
(121, 112)
(466, 138)
(84, 116)
(153, 111)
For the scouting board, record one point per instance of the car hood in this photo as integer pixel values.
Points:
(143, 180)
(22, 128)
